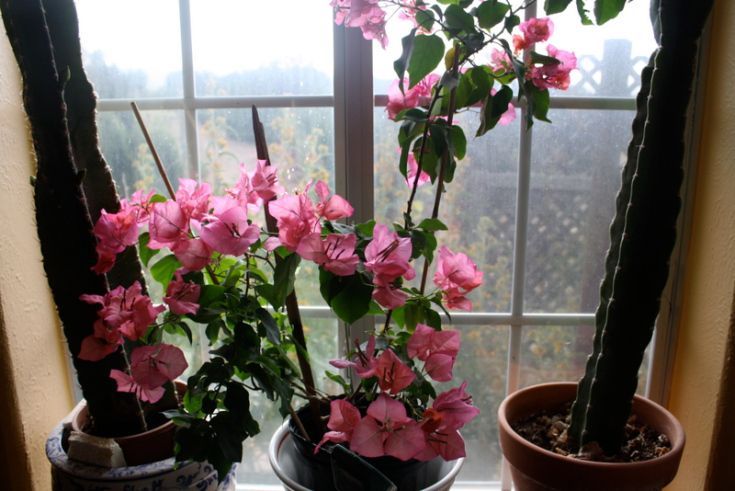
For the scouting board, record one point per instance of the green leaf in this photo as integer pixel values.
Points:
(427, 52)
(213, 329)
(269, 323)
(348, 296)
(365, 230)
(511, 22)
(413, 314)
(458, 141)
(539, 99)
(474, 85)
(493, 109)
(433, 319)
(538, 58)
(144, 252)
(163, 271)
(425, 19)
(432, 225)
(283, 280)
(158, 198)
(556, 6)
(211, 294)
(456, 18)
(400, 65)
(490, 13)
(339, 380)
(607, 9)
(583, 13)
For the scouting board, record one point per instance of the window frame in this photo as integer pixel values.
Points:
(353, 104)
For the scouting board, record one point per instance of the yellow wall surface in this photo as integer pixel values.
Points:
(32, 355)
(710, 268)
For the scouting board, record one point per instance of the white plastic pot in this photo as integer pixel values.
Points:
(292, 468)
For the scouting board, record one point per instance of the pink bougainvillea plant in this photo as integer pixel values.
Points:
(228, 261)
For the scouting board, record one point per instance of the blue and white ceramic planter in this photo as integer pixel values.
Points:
(76, 476)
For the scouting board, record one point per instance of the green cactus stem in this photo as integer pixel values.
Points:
(63, 221)
(643, 232)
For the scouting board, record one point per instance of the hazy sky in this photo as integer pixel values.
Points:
(234, 35)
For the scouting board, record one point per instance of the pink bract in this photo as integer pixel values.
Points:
(153, 366)
(387, 255)
(409, 98)
(331, 207)
(126, 383)
(182, 296)
(193, 198)
(393, 375)
(413, 167)
(229, 232)
(264, 181)
(537, 30)
(168, 225)
(343, 418)
(296, 217)
(335, 253)
(365, 360)
(554, 75)
(456, 275)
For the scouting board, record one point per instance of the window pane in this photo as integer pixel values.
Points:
(576, 167)
(610, 57)
(128, 155)
(559, 353)
(479, 207)
(482, 363)
(131, 48)
(237, 51)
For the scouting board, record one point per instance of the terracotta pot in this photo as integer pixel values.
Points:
(536, 469)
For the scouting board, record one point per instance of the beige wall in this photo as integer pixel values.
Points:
(710, 268)
(32, 356)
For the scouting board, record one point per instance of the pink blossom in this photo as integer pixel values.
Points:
(343, 418)
(454, 408)
(417, 95)
(389, 296)
(229, 232)
(456, 275)
(537, 30)
(114, 232)
(519, 43)
(193, 198)
(193, 254)
(554, 75)
(365, 14)
(142, 202)
(182, 296)
(296, 218)
(393, 375)
(126, 383)
(169, 224)
(331, 206)
(124, 312)
(336, 253)
(500, 62)
(243, 191)
(387, 256)
(366, 362)
(437, 349)
(265, 181)
(413, 167)
(150, 368)
(387, 430)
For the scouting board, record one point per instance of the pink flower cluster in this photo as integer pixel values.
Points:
(456, 275)
(386, 428)
(193, 225)
(543, 75)
(417, 95)
(365, 14)
(150, 368)
(387, 257)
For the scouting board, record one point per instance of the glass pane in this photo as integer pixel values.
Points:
(128, 155)
(131, 48)
(554, 353)
(237, 51)
(485, 183)
(482, 363)
(321, 336)
(576, 166)
(610, 57)
(559, 353)
(301, 146)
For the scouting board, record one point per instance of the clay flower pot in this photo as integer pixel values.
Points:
(536, 469)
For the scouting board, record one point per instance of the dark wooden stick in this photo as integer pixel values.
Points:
(292, 304)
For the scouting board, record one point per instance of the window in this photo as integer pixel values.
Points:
(540, 200)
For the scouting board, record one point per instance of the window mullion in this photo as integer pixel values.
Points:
(187, 74)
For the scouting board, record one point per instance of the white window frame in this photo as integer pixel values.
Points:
(353, 102)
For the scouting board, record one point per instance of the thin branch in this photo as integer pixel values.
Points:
(152, 148)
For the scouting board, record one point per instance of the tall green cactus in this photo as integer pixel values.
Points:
(62, 216)
(643, 232)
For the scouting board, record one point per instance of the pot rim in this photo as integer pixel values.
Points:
(677, 439)
(279, 439)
